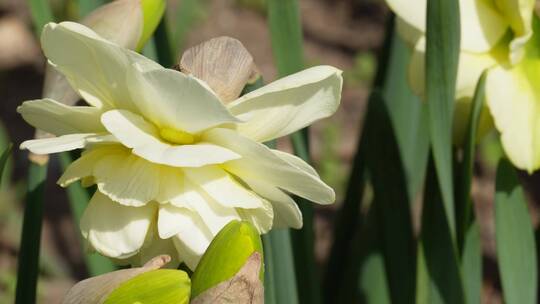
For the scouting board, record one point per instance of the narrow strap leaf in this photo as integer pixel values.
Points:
(516, 248)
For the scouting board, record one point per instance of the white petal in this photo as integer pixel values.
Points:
(95, 67)
(220, 186)
(171, 99)
(56, 118)
(84, 165)
(62, 143)
(289, 104)
(114, 230)
(127, 178)
(214, 215)
(134, 132)
(512, 97)
(482, 26)
(286, 211)
(173, 220)
(296, 161)
(259, 162)
(261, 218)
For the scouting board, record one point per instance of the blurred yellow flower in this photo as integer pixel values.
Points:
(504, 37)
(172, 163)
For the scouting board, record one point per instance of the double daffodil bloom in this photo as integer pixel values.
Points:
(171, 162)
(502, 36)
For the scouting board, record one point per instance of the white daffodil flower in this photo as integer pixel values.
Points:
(502, 36)
(171, 162)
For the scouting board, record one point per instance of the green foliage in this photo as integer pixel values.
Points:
(28, 265)
(153, 287)
(442, 51)
(516, 248)
(227, 253)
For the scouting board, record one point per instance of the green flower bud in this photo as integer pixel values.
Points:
(226, 255)
(153, 287)
(152, 13)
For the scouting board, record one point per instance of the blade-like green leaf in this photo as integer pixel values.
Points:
(280, 278)
(516, 248)
(391, 201)
(4, 159)
(471, 264)
(87, 6)
(442, 54)
(370, 268)
(463, 185)
(78, 200)
(28, 263)
(408, 115)
(162, 40)
(441, 276)
(286, 36)
(41, 14)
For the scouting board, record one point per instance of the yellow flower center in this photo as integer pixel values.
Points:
(177, 137)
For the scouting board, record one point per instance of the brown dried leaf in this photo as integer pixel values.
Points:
(223, 63)
(96, 289)
(244, 287)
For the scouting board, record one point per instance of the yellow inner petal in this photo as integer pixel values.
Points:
(177, 137)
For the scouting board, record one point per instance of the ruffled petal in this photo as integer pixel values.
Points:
(482, 25)
(221, 187)
(114, 230)
(56, 118)
(519, 14)
(286, 211)
(258, 162)
(64, 143)
(261, 218)
(289, 104)
(512, 96)
(100, 78)
(143, 137)
(171, 99)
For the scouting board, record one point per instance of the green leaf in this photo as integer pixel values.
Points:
(41, 14)
(280, 278)
(28, 263)
(163, 44)
(78, 200)
(463, 197)
(391, 201)
(153, 287)
(4, 159)
(516, 248)
(408, 115)
(442, 53)
(286, 37)
(471, 264)
(439, 276)
(87, 6)
(227, 253)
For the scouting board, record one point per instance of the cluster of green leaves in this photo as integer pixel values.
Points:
(402, 141)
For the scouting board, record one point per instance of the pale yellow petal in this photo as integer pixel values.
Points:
(260, 163)
(56, 118)
(221, 186)
(482, 25)
(289, 104)
(519, 14)
(100, 78)
(512, 96)
(143, 137)
(63, 143)
(114, 230)
(171, 99)
(261, 218)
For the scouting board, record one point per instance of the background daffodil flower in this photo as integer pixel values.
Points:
(172, 163)
(502, 36)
